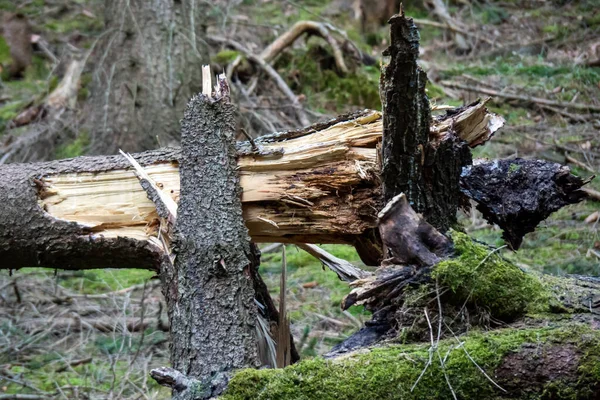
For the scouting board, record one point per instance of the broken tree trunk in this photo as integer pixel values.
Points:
(317, 185)
(425, 172)
(424, 166)
(209, 292)
(430, 289)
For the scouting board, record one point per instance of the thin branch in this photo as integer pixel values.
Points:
(461, 345)
(510, 96)
(302, 118)
(345, 270)
(430, 352)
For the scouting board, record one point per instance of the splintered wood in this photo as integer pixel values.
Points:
(318, 187)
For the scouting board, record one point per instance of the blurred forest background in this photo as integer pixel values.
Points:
(96, 76)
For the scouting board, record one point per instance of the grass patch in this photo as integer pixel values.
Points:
(314, 295)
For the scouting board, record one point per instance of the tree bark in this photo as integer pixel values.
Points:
(147, 66)
(424, 166)
(214, 314)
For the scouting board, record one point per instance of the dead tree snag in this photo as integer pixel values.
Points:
(417, 161)
(214, 314)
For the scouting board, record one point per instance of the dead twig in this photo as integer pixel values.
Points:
(344, 269)
(580, 164)
(530, 99)
(297, 30)
(74, 363)
(593, 194)
(431, 349)
(461, 345)
(283, 353)
(269, 70)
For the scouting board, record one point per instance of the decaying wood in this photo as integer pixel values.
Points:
(47, 117)
(518, 194)
(530, 99)
(413, 245)
(410, 239)
(426, 170)
(316, 185)
(297, 30)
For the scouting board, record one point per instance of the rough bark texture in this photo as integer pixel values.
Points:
(518, 194)
(423, 166)
(213, 317)
(406, 115)
(147, 66)
(30, 237)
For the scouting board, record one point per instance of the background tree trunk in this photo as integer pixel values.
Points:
(147, 66)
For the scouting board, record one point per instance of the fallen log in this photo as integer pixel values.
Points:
(317, 185)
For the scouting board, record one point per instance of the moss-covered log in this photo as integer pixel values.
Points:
(560, 361)
(476, 325)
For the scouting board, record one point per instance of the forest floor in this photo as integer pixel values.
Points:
(96, 334)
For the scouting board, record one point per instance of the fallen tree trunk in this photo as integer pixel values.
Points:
(317, 185)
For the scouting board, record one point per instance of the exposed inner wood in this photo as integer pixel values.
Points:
(322, 187)
(322, 184)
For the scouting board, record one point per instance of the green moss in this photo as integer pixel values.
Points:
(78, 22)
(5, 58)
(434, 91)
(390, 372)
(486, 280)
(225, 56)
(312, 72)
(75, 148)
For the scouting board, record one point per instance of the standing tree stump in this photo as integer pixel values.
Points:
(210, 291)
(424, 166)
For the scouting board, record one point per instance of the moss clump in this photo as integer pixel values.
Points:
(312, 71)
(486, 280)
(75, 148)
(390, 372)
(225, 57)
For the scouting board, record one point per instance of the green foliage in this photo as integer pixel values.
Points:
(494, 15)
(74, 149)
(226, 56)
(486, 280)
(76, 23)
(312, 72)
(390, 372)
(434, 92)
(4, 52)
(103, 280)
